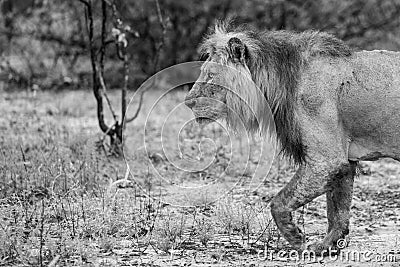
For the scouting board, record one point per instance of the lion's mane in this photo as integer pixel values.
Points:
(274, 60)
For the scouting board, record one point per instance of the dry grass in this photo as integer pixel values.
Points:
(60, 205)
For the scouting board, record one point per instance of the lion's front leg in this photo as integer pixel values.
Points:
(338, 196)
(309, 182)
(304, 187)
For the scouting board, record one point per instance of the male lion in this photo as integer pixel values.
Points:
(332, 107)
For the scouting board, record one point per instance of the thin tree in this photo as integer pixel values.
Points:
(120, 31)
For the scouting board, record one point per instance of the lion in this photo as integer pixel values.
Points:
(332, 107)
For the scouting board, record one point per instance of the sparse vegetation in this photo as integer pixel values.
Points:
(66, 200)
(60, 206)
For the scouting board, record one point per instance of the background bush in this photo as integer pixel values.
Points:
(44, 43)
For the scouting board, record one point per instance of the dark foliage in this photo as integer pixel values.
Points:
(43, 42)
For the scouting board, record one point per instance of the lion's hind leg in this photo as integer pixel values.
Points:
(309, 182)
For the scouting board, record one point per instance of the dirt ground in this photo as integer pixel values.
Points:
(194, 196)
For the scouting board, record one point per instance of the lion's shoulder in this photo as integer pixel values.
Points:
(315, 43)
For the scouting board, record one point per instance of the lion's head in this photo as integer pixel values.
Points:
(225, 88)
(207, 98)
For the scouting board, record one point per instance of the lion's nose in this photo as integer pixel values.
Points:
(190, 102)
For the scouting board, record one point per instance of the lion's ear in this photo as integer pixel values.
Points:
(237, 49)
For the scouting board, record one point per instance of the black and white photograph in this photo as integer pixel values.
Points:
(200, 133)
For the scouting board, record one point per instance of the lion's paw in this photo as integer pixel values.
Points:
(321, 248)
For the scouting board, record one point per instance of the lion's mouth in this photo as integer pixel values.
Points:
(204, 120)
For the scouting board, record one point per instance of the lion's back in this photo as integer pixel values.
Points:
(362, 74)
(374, 74)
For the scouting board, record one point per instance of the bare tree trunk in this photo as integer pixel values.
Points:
(124, 88)
(95, 78)
(98, 84)
(116, 130)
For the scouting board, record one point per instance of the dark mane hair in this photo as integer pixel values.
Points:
(275, 60)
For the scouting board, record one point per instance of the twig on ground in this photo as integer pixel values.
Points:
(54, 261)
(23, 158)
